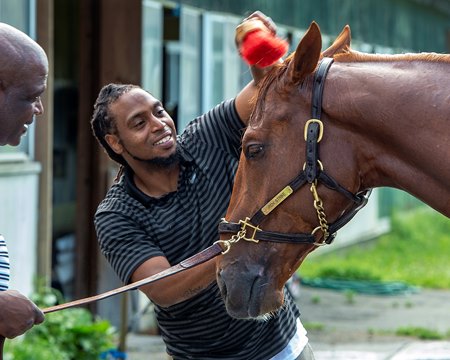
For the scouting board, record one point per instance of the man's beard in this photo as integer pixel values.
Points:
(161, 162)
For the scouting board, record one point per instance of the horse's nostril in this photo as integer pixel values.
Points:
(221, 284)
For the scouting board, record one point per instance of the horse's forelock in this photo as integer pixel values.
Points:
(274, 81)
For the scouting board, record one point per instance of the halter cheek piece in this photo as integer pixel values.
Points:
(312, 173)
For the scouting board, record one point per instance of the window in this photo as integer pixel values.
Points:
(190, 74)
(221, 62)
(152, 21)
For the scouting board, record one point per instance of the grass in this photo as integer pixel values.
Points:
(415, 252)
(413, 331)
(420, 333)
(314, 326)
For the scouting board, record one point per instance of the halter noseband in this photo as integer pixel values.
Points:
(312, 173)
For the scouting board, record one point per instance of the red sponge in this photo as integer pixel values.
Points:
(261, 48)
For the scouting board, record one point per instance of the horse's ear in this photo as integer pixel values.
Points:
(307, 54)
(341, 44)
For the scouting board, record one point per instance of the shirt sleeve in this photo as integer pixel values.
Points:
(220, 127)
(124, 243)
(4, 265)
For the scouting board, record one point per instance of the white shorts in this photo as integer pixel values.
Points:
(295, 346)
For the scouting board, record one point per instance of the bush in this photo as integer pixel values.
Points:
(65, 335)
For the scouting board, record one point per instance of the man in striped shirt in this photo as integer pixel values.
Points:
(166, 207)
(23, 78)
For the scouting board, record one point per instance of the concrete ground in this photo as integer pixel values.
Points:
(363, 326)
(356, 327)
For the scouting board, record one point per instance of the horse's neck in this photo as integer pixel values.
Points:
(399, 111)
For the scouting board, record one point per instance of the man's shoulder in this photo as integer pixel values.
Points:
(225, 110)
(117, 199)
(218, 129)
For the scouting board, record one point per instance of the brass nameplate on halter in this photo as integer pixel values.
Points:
(277, 200)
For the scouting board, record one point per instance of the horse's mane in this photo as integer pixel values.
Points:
(276, 74)
(356, 56)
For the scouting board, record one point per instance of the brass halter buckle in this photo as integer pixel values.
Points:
(241, 235)
(245, 224)
(317, 121)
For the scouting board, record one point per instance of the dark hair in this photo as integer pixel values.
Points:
(103, 121)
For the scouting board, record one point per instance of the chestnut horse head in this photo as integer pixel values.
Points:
(326, 128)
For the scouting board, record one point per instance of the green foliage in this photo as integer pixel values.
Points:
(349, 296)
(415, 252)
(65, 335)
(314, 326)
(347, 273)
(419, 332)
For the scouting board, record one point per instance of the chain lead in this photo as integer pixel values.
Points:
(318, 205)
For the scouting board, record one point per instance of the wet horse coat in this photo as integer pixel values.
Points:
(386, 122)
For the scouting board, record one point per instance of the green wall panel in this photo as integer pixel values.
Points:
(416, 25)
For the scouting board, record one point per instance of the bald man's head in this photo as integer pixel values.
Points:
(23, 78)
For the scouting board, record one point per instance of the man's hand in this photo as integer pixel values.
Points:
(256, 21)
(250, 48)
(17, 314)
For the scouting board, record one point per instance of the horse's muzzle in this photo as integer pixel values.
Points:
(249, 293)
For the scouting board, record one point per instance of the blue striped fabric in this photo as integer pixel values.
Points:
(4, 265)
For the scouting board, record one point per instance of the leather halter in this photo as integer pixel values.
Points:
(312, 173)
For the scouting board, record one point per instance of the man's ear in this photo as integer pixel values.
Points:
(114, 142)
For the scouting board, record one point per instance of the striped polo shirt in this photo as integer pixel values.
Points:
(132, 227)
(4, 265)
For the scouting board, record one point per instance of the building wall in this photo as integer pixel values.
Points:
(18, 220)
(412, 24)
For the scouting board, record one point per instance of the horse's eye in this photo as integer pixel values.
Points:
(253, 151)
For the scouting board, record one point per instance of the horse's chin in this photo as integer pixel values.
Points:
(251, 301)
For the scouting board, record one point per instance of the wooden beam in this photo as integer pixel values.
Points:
(110, 51)
(87, 152)
(120, 42)
(44, 145)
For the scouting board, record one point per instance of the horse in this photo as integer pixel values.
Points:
(327, 127)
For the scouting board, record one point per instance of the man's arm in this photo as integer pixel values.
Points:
(178, 287)
(244, 103)
(17, 314)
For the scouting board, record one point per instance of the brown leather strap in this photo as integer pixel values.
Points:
(195, 260)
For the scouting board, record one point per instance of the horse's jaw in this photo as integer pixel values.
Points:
(249, 293)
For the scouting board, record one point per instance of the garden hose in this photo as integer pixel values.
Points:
(362, 286)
